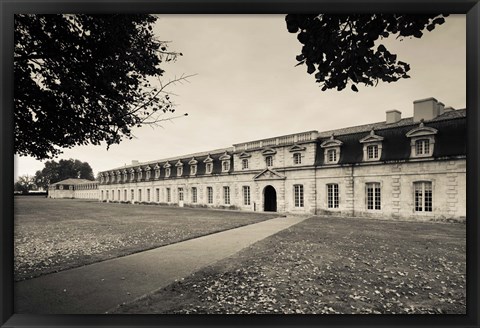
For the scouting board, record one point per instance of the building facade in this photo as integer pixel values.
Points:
(410, 168)
(74, 188)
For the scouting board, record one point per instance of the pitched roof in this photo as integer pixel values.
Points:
(450, 140)
(459, 113)
(73, 181)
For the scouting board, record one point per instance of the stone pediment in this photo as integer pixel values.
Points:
(269, 174)
(244, 155)
(295, 148)
(421, 130)
(372, 137)
(332, 142)
(269, 151)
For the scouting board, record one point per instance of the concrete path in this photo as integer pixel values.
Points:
(100, 287)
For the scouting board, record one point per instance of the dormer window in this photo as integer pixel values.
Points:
(148, 173)
(297, 158)
(422, 141)
(179, 166)
(132, 175)
(225, 166)
(244, 164)
(125, 175)
(332, 155)
(331, 150)
(209, 168)
(372, 147)
(422, 147)
(119, 176)
(193, 166)
(225, 158)
(269, 160)
(372, 152)
(208, 165)
(102, 179)
(140, 174)
(157, 171)
(167, 168)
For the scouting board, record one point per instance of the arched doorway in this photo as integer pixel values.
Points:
(269, 199)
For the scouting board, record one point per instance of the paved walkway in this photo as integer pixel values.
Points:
(100, 287)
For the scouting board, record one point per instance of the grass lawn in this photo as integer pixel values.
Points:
(328, 265)
(57, 234)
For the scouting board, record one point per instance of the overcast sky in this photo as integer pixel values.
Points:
(247, 87)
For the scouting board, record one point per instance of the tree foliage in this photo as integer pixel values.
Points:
(24, 184)
(64, 169)
(346, 49)
(86, 79)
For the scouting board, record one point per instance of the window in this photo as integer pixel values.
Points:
(119, 194)
(244, 164)
(269, 160)
(125, 195)
(226, 195)
(180, 194)
(167, 172)
(210, 195)
(208, 168)
(101, 179)
(194, 194)
(422, 141)
(332, 195)
(298, 195)
(332, 155)
(423, 196)
(193, 169)
(157, 195)
(225, 166)
(372, 152)
(125, 176)
(246, 195)
(373, 196)
(132, 176)
(179, 171)
(422, 147)
(372, 146)
(139, 195)
(157, 173)
(147, 175)
(139, 175)
(148, 194)
(132, 195)
(297, 158)
(169, 196)
(101, 195)
(106, 197)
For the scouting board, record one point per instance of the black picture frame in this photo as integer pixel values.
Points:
(9, 7)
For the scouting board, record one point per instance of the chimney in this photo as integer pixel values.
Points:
(448, 109)
(425, 109)
(134, 162)
(440, 108)
(393, 116)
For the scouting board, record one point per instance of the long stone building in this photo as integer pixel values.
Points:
(74, 188)
(408, 168)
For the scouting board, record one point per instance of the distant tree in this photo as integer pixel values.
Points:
(346, 49)
(64, 169)
(24, 184)
(86, 79)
